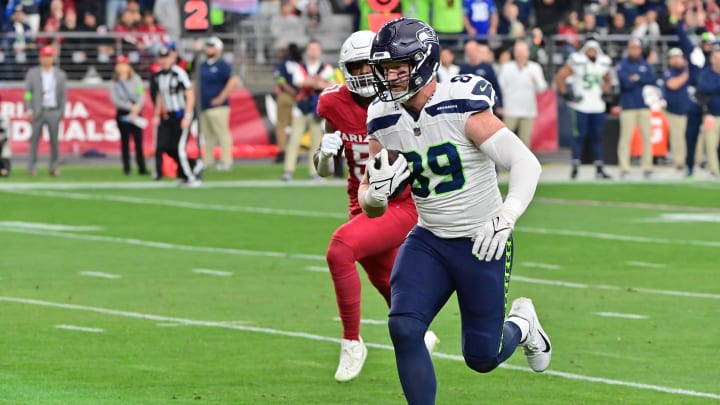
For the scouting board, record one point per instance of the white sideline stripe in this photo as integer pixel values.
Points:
(164, 245)
(100, 274)
(548, 282)
(303, 256)
(180, 204)
(617, 237)
(366, 321)
(646, 264)
(623, 204)
(213, 272)
(173, 324)
(546, 266)
(80, 328)
(319, 269)
(158, 185)
(560, 283)
(49, 227)
(619, 315)
(310, 336)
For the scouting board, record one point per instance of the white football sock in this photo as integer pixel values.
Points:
(523, 325)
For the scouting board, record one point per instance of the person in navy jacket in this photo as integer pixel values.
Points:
(634, 73)
(677, 100)
(709, 86)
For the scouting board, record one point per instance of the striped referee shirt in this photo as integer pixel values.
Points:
(172, 85)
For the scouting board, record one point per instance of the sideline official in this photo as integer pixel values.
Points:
(174, 106)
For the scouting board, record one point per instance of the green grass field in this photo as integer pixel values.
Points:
(220, 294)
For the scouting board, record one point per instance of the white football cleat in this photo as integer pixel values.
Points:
(536, 345)
(431, 341)
(352, 359)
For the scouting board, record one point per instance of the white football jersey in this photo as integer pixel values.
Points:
(587, 81)
(454, 184)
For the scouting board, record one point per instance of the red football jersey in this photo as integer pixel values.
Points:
(337, 105)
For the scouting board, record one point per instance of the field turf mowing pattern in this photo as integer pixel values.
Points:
(167, 330)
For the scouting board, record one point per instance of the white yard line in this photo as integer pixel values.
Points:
(80, 328)
(546, 266)
(100, 275)
(623, 204)
(561, 283)
(319, 269)
(367, 321)
(163, 245)
(210, 272)
(646, 264)
(49, 227)
(169, 185)
(619, 315)
(303, 256)
(310, 336)
(618, 237)
(180, 204)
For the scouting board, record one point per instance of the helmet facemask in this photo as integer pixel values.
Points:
(361, 84)
(415, 82)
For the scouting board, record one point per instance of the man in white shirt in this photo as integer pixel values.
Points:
(45, 97)
(521, 79)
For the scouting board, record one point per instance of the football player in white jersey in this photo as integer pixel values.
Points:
(451, 141)
(588, 71)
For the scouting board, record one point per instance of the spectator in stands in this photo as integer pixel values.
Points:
(45, 97)
(217, 82)
(126, 25)
(127, 93)
(589, 24)
(618, 26)
(677, 102)
(634, 73)
(114, 8)
(134, 8)
(310, 78)
(669, 16)
(153, 35)
(548, 13)
(514, 27)
(98, 50)
(447, 68)
(480, 17)
(72, 50)
(709, 85)
(521, 80)
(646, 26)
(57, 12)
(582, 81)
(629, 9)
(31, 9)
(712, 22)
(524, 11)
(48, 35)
(447, 17)
(96, 8)
(569, 29)
(537, 47)
(287, 27)
(478, 61)
(168, 14)
(285, 92)
(17, 44)
(5, 144)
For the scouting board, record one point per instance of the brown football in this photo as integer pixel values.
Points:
(392, 157)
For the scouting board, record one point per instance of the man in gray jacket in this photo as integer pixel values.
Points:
(45, 97)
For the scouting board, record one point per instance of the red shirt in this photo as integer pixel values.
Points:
(338, 106)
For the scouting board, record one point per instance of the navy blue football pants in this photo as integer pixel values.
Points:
(427, 271)
(588, 124)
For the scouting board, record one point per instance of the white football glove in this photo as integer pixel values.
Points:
(491, 238)
(385, 180)
(330, 144)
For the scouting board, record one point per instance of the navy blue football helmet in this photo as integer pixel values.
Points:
(405, 40)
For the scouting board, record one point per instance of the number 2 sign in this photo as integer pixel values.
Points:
(196, 16)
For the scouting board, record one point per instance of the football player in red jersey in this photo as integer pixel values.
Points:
(373, 242)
